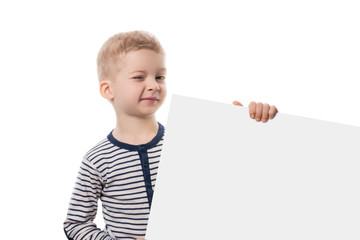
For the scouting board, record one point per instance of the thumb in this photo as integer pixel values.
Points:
(237, 103)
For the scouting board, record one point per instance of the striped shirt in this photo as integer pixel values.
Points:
(123, 177)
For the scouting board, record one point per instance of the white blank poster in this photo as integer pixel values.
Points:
(223, 175)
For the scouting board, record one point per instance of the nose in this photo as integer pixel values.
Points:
(153, 85)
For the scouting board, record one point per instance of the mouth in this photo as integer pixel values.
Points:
(150, 99)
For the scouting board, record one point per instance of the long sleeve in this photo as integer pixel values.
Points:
(83, 206)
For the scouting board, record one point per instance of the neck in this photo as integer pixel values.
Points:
(134, 130)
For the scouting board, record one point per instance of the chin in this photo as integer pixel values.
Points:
(147, 114)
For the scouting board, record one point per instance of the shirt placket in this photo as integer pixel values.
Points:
(142, 150)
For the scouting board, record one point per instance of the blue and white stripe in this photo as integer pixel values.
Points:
(123, 177)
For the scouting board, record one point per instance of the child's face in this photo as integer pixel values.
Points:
(142, 76)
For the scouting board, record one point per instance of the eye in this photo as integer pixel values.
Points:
(160, 77)
(138, 77)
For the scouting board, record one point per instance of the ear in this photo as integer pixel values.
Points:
(105, 89)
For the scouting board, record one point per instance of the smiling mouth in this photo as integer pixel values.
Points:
(150, 99)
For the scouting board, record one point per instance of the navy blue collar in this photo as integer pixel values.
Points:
(148, 145)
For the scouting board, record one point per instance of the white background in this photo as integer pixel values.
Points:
(301, 56)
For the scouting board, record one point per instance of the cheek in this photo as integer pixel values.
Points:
(132, 90)
(163, 94)
(128, 94)
(163, 87)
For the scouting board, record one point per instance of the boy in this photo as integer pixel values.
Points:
(121, 169)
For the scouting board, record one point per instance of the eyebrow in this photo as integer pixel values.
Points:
(161, 69)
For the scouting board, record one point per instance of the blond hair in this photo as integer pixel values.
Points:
(117, 46)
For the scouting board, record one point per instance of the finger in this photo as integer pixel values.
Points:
(265, 113)
(252, 107)
(272, 112)
(259, 107)
(237, 103)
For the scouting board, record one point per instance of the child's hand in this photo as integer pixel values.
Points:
(260, 111)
